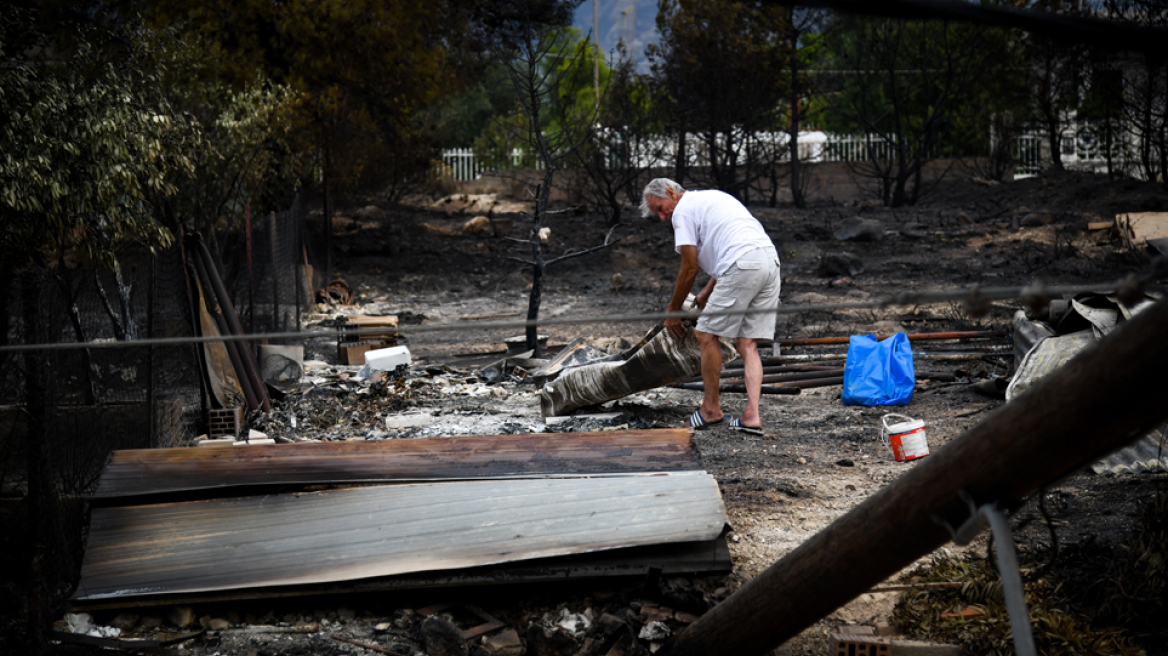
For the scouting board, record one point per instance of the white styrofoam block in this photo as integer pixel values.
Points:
(415, 420)
(387, 358)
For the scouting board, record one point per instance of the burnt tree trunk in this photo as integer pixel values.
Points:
(679, 162)
(37, 405)
(796, 167)
(328, 215)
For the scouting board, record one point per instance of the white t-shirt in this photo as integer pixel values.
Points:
(720, 226)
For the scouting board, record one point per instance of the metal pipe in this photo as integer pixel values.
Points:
(813, 382)
(1012, 589)
(917, 355)
(739, 389)
(193, 307)
(232, 347)
(806, 375)
(737, 374)
(1100, 400)
(791, 378)
(250, 368)
(737, 371)
(968, 334)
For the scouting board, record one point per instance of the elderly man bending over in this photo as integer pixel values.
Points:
(715, 232)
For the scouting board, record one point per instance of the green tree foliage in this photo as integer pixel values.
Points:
(567, 91)
(901, 84)
(623, 144)
(720, 73)
(362, 70)
(483, 96)
(88, 140)
(248, 155)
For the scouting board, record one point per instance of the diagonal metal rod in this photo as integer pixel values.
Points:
(1011, 576)
(1102, 399)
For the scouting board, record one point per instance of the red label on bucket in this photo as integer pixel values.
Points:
(909, 446)
(905, 439)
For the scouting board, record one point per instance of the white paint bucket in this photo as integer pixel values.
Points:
(387, 359)
(905, 439)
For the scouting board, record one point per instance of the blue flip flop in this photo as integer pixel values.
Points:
(739, 426)
(698, 422)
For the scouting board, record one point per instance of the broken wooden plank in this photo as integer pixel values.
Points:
(1140, 228)
(157, 471)
(355, 533)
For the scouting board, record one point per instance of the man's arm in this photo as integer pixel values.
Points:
(685, 280)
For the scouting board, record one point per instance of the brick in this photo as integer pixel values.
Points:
(858, 645)
(225, 422)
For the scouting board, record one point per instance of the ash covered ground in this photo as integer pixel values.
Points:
(817, 459)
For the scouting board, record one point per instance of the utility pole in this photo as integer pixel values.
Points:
(596, 55)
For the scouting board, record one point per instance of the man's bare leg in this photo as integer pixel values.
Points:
(752, 364)
(712, 375)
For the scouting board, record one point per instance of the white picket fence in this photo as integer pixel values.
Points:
(660, 152)
(1027, 154)
(460, 164)
(1081, 149)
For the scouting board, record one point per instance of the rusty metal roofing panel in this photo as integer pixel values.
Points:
(356, 533)
(156, 471)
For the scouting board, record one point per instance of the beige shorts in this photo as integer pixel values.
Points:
(752, 283)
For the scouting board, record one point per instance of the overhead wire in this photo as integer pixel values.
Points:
(976, 297)
(1074, 29)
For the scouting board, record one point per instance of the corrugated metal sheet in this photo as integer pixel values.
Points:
(356, 533)
(705, 557)
(157, 471)
(1050, 353)
(1148, 454)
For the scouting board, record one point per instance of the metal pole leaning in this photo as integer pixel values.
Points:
(250, 368)
(1057, 427)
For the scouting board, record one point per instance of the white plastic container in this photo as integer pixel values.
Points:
(387, 359)
(905, 439)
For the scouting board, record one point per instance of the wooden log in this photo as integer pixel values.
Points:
(1098, 401)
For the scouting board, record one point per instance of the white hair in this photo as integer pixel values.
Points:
(656, 188)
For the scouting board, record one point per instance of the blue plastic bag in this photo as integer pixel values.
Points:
(879, 373)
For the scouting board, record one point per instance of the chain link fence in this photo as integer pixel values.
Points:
(63, 411)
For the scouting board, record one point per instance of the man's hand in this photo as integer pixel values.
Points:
(704, 296)
(673, 325)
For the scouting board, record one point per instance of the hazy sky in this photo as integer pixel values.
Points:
(637, 17)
